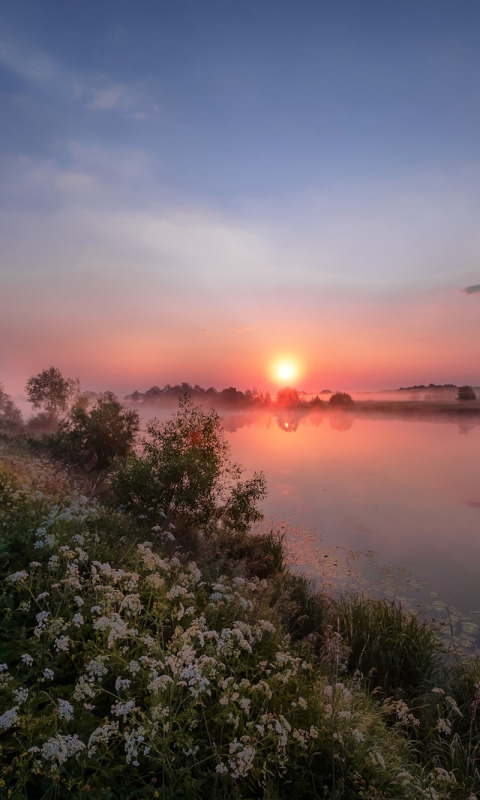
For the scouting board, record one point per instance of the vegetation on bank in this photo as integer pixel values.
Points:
(152, 646)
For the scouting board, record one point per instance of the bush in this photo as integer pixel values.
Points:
(93, 438)
(466, 393)
(341, 399)
(185, 474)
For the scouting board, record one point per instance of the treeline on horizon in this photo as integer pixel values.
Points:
(229, 397)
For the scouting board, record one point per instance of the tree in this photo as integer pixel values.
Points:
(50, 392)
(466, 393)
(94, 438)
(185, 474)
(340, 399)
(10, 416)
(288, 397)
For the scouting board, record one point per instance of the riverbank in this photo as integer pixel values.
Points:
(146, 658)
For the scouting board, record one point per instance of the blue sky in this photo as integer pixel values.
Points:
(189, 189)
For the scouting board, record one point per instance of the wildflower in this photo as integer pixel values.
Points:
(121, 684)
(27, 659)
(77, 620)
(443, 726)
(59, 748)
(242, 758)
(18, 576)
(101, 735)
(120, 709)
(9, 718)
(62, 644)
(131, 604)
(132, 741)
(134, 667)
(96, 668)
(3, 668)
(65, 709)
(21, 694)
(48, 674)
(42, 596)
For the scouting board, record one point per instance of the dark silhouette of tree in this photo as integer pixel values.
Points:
(288, 397)
(340, 399)
(10, 416)
(466, 393)
(50, 392)
(93, 438)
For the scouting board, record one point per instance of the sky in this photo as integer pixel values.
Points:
(198, 191)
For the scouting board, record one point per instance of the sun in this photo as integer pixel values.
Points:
(285, 370)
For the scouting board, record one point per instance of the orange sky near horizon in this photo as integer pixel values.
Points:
(352, 346)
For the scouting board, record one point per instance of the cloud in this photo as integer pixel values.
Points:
(471, 289)
(35, 66)
(106, 99)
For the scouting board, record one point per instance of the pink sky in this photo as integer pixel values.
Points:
(189, 193)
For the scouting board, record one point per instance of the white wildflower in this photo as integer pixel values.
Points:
(21, 694)
(120, 709)
(443, 726)
(9, 718)
(65, 709)
(101, 735)
(121, 684)
(21, 575)
(48, 674)
(59, 748)
(27, 659)
(62, 644)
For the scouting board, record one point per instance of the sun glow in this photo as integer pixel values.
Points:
(285, 370)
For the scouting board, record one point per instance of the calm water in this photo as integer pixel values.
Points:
(373, 498)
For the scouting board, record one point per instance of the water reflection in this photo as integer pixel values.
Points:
(404, 490)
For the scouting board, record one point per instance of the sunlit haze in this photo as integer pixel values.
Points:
(190, 190)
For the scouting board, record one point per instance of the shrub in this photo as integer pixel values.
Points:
(341, 399)
(466, 393)
(93, 438)
(185, 474)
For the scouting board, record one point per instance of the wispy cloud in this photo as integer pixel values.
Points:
(31, 65)
(471, 289)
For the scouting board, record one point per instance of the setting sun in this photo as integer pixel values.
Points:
(285, 370)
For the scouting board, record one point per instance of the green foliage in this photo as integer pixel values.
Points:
(127, 673)
(93, 438)
(11, 422)
(51, 392)
(340, 399)
(397, 650)
(185, 474)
